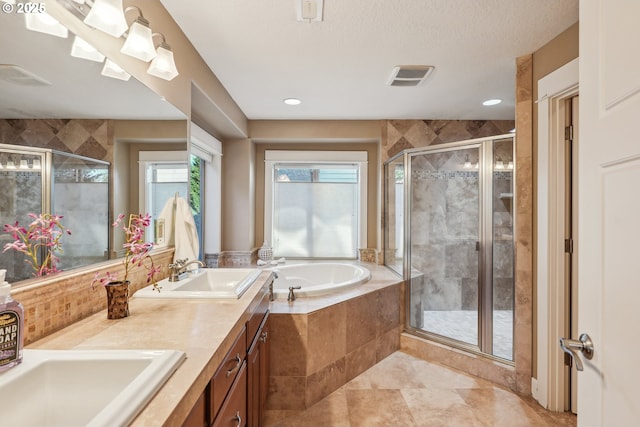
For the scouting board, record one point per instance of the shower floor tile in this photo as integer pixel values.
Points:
(462, 325)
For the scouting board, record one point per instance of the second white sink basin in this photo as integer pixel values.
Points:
(83, 387)
(225, 283)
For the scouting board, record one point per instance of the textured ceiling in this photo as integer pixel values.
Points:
(339, 67)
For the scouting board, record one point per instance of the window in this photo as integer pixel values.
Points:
(315, 203)
(164, 175)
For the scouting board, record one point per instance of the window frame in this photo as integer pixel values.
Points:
(273, 157)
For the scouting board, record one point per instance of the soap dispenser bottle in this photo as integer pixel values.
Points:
(11, 327)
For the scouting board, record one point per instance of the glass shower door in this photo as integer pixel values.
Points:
(444, 234)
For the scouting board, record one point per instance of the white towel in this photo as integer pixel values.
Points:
(180, 229)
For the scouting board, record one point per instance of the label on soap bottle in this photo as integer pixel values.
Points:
(9, 337)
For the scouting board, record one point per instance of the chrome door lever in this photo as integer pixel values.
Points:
(583, 344)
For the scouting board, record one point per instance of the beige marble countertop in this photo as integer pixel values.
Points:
(203, 329)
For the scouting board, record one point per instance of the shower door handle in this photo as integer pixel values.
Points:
(477, 246)
(583, 344)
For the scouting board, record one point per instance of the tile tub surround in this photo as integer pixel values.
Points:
(54, 302)
(204, 330)
(320, 343)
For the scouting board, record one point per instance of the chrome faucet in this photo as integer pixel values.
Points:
(292, 296)
(179, 267)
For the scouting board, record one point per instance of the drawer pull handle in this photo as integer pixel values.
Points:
(263, 337)
(239, 418)
(235, 368)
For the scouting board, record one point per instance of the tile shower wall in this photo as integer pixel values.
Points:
(398, 135)
(444, 227)
(84, 137)
(90, 138)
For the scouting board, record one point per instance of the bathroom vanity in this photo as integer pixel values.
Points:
(224, 379)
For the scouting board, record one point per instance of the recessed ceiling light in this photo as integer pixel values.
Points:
(292, 101)
(492, 102)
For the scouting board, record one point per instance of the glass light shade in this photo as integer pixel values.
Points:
(163, 65)
(45, 23)
(36, 164)
(467, 162)
(24, 164)
(139, 42)
(107, 16)
(10, 164)
(510, 165)
(111, 69)
(499, 164)
(82, 49)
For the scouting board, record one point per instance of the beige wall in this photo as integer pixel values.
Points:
(550, 57)
(129, 138)
(335, 135)
(238, 195)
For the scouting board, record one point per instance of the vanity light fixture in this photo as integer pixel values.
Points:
(107, 16)
(292, 101)
(163, 65)
(490, 102)
(139, 42)
(82, 49)
(45, 23)
(111, 69)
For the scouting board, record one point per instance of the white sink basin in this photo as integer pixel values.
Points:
(83, 387)
(227, 283)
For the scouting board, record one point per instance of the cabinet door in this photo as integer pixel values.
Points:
(234, 410)
(265, 351)
(253, 384)
(198, 415)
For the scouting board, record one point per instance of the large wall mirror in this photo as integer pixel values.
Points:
(51, 102)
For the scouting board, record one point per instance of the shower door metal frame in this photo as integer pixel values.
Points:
(485, 235)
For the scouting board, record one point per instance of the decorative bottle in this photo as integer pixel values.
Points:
(11, 327)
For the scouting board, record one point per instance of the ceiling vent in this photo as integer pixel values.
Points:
(17, 75)
(409, 75)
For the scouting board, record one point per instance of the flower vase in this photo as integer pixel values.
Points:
(117, 299)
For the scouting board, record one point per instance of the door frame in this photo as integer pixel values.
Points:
(550, 386)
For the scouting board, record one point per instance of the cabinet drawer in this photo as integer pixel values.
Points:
(254, 322)
(227, 372)
(234, 410)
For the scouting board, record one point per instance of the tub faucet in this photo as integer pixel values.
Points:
(179, 267)
(292, 296)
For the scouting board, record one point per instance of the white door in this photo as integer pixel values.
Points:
(609, 211)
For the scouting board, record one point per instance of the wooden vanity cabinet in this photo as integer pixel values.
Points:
(226, 374)
(234, 410)
(258, 362)
(258, 375)
(237, 392)
(198, 416)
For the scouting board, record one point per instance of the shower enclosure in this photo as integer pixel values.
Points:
(37, 180)
(449, 232)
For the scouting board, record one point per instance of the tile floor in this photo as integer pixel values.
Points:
(403, 390)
